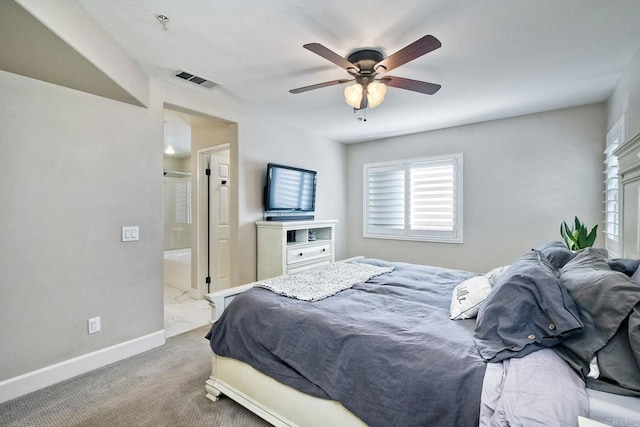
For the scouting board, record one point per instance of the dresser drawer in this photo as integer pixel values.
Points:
(306, 253)
(300, 267)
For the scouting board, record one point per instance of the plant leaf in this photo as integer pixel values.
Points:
(591, 238)
(574, 236)
(567, 230)
(563, 233)
(582, 238)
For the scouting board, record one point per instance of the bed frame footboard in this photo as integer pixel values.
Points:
(274, 402)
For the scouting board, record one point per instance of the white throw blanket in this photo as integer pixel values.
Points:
(322, 282)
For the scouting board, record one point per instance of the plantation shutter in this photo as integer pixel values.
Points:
(432, 196)
(183, 201)
(386, 201)
(612, 191)
(417, 199)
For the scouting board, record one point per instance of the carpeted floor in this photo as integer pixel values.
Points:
(161, 387)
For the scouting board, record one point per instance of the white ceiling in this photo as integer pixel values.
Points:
(499, 58)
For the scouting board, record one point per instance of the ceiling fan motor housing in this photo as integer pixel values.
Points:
(365, 59)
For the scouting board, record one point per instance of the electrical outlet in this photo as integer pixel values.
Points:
(94, 325)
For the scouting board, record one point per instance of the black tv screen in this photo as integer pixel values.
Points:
(289, 189)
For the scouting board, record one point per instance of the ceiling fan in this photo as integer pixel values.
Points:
(366, 64)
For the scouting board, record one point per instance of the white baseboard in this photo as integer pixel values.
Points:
(49, 375)
(193, 293)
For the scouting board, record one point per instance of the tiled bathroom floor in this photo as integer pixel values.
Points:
(183, 313)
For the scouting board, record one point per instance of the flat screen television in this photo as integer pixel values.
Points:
(289, 189)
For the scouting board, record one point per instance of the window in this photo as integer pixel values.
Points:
(183, 201)
(416, 199)
(611, 193)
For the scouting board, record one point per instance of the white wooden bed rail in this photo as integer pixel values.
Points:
(221, 299)
(277, 403)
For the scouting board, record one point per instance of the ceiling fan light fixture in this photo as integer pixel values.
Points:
(365, 64)
(353, 95)
(375, 93)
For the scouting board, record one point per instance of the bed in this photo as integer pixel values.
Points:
(385, 351)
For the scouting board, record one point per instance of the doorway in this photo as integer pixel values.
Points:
(190, 140)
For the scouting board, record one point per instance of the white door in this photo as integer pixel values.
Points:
(214, 216)
(219, 216)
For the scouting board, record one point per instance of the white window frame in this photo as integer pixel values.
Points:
(611, 199)
(454, 236)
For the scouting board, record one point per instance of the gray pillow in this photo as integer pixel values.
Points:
(624, 265)
(634, 334)
(619, 360)
(604, 298)
(557, 253)
(635, 277)
(526, 310)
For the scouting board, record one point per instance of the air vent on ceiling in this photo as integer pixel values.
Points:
(200, 81)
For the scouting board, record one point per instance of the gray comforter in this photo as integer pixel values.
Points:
(386, 349)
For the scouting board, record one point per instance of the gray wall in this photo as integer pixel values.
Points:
(522, 177)
(625, 99)
(75, 168)
(267, 142)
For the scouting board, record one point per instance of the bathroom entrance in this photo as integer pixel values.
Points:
(196, 214)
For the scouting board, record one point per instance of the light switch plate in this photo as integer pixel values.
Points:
(130, 233)
(94, 325)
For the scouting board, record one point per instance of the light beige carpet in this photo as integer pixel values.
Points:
(161, 387)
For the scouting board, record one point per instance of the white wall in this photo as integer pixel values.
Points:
(522, 177)
(625, 99)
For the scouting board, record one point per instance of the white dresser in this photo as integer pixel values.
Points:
(289, 247)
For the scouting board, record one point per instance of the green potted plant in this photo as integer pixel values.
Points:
(577, 238)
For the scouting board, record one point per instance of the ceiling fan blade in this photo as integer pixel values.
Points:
(416, 49)
(320, 85)
(330, 55)
(408, 84)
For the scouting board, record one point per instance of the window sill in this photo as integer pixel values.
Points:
(456, 240)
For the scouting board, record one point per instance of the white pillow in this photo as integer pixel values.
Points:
(494, 275)
(594, 369)
(468, 296)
